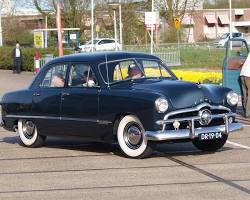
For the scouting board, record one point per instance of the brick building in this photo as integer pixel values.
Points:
(209, 24)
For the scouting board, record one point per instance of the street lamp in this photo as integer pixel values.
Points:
(152, 31)
(230, 21)
(92, 25)
(114, 7)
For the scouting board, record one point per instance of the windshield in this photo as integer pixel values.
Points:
(132, 69)
(224, 36)
(94, 41)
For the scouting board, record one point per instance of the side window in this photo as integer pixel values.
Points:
(55, 76)
(127, 70)
(81, 75)
(154, 69)
(101, 42)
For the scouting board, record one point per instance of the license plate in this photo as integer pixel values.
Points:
(210, 136)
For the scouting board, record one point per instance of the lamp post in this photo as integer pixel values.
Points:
(152, 30)
(230, 21)
(115, 29)
(92, 25)
(121, 26)
(114, 7)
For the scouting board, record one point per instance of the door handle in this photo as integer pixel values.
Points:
(36, 94)
(65, 94)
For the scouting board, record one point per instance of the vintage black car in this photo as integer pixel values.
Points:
(129, 98)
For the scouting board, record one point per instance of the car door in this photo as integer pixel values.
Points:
(80, 103)
(46, 104)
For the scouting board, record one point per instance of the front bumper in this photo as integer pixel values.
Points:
(191, 132)
(188, 134)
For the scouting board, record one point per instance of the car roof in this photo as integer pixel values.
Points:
(100, 57)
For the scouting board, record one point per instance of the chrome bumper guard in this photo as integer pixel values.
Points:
(191, 132)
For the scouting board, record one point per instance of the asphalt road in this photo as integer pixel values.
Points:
(74, 169)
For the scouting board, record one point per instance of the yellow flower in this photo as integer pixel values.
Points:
(199, 76)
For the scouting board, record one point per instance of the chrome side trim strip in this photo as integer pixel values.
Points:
(185, 133)
(59, 118)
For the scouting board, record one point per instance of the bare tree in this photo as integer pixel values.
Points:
(75, 13)
(176, 8)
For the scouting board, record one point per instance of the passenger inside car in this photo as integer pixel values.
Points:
(57, 80)
(90, 80)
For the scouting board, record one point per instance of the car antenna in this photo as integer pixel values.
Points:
(107, 68)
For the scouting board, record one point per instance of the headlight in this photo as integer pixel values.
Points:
(161, 104)
(232, 98)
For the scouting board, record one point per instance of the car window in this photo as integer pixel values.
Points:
(126, 70)
(154, 69)
(110, 41)
(101, 42)
(236, 35)
(130, 69)
(81, 75)
(55, 76)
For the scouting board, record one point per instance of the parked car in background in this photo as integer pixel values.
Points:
(222, 40)
(132, 99)
(101, 44)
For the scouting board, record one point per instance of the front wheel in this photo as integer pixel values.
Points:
(131, 139)
(29, 135)
(210, 145)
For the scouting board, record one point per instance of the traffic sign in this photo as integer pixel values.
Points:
(177, 23)
(38, 39)
(97, 28)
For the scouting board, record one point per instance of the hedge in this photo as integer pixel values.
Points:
(6, 61)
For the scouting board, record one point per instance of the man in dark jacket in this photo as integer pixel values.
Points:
(17, 59)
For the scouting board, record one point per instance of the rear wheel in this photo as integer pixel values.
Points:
(210, 145)
(29, 135)
(130, 136)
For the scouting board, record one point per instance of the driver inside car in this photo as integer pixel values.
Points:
(134, 72)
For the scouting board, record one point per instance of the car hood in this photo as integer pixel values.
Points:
(183, 94)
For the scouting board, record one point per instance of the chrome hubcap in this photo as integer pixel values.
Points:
(28, 129)
(133, 136)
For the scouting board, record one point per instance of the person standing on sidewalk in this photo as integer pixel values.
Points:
(17, 59)
(245, 85)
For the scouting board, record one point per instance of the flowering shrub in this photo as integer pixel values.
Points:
(199, 76)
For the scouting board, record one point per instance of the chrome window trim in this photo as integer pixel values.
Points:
(127, 59)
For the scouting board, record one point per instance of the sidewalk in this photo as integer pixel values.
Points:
(11, 82)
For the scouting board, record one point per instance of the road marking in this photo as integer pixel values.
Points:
(238, 145)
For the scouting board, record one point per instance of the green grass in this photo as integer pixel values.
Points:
(196, 56)
(202, 57)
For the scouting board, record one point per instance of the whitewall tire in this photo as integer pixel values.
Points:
(28, 134)
(131, 139)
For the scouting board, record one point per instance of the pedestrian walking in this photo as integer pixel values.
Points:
(17, 59)
(245, 85)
